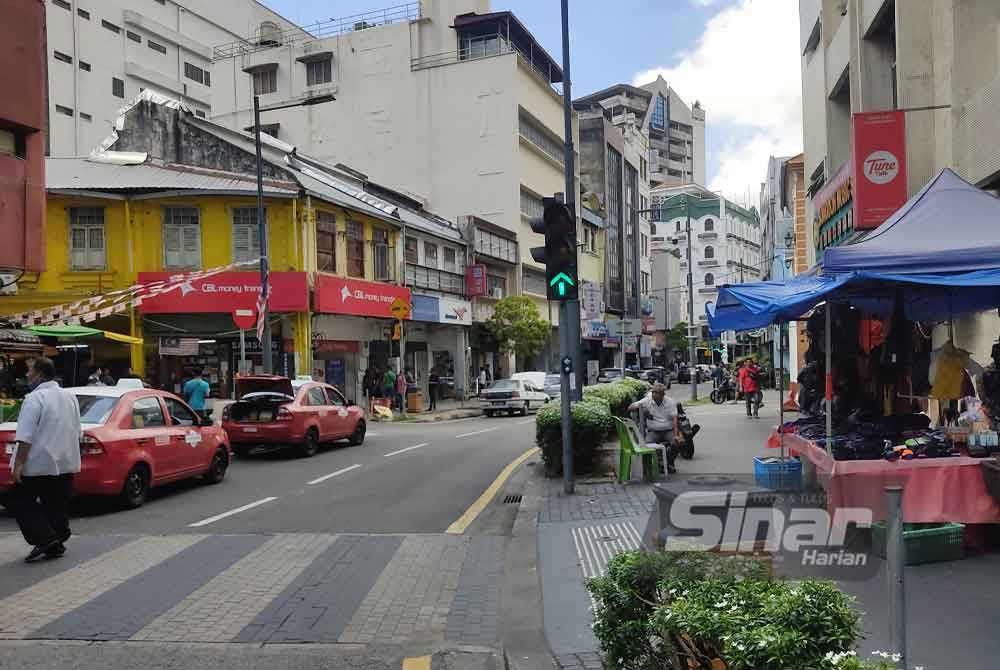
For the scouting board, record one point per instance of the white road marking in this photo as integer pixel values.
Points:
(319, 480)
(478, 432)
(402, 451)
(244, 508)
(521, 423)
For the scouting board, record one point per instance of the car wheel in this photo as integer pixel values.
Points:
(358, 436)
(217, 468)
(488, 412)
(524, 410)
(136, 487)
(310, 445)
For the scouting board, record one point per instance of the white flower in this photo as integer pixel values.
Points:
(896, 657)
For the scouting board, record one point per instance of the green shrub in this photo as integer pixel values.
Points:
(637, 388)
(591, 421)
(618, 396)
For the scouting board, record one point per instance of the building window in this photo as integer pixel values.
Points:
(534, 282)
(430, 255)
(265, 81)
(479, 47)
(86, 117)
(319, 72)
(156, 46)
(355, 249)
(411, 250)
(590, 241)
(84, 66)
(678, 228)
(709, 225)
(112, 27)
(380, 244)
(117, 87)
(531, 204)
(66, 111)
(83, 14)
(709, 279)
(60, 56)
(195, 73)
(643, 168)
(709, 253)
(644, 283)
(326, 241)
(644, 244)
(496, 246)
(658, 120)
(450, 260)
(496, 286)
(199, 113)
(540, 137)
(135, 37)
(86, 238)
(246, 234)
(181, 237)
(63, 4)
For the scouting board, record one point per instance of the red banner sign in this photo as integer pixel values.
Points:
(226, 292)
(879, 166)
(336, 295)
(475, 280)
(335, 346)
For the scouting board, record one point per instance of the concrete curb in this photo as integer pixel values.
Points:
(522, 635)
(451, 415)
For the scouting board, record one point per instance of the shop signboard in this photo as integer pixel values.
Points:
(646, 346)
(335, 346)
(648, 324)
(590, 300)
(475, 280)
(425, 308)
(878, 142)
(624, 327)
(455, 311)
(339, 295)
(225, 292)
(594, 330)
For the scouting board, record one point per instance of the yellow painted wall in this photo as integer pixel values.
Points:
(370, 225)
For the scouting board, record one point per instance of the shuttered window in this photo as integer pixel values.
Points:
(449, 260)
(326, 241)
(355, 249)
(181, 238)
(246, 240)
(86, 238)
(380, 247)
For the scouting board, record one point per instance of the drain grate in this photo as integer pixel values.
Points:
(512, 499)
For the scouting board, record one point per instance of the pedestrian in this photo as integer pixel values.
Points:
(402, 385)
(717, 374)
(749, 382)
(47, 455)
(95, 377)
(661, 421)
(432, 388)
(195, 392)
(389, 385)
(106, 377)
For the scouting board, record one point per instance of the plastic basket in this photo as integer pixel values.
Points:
(777, 474)
(925, 542)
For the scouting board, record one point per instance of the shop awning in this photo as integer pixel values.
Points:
(82, 331)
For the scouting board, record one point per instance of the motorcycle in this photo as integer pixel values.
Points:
(688, 431)
(726, 391)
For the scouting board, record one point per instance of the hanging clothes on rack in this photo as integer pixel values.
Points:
(947, 371)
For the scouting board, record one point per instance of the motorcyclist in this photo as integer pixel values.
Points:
(661, 421)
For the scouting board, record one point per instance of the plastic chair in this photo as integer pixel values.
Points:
(629, 441)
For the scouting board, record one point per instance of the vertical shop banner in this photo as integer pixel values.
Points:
(475, 280)
(590, 304)
(878, 142)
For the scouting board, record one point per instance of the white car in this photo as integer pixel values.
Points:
(510, 396)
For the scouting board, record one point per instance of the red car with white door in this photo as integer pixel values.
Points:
(275, 412)
(134, 439)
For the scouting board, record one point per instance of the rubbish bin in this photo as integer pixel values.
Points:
(414, 401)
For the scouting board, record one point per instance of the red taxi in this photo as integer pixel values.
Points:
(135, 438)
(275, 412)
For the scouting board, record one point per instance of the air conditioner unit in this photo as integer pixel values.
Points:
(269, 34)
(497, 293)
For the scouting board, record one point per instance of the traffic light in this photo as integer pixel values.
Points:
(558, 224)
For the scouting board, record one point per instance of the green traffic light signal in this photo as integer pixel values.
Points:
(558, 225)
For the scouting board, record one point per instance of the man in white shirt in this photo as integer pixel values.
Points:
(47, 457)
(661, 421)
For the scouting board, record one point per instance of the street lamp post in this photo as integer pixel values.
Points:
(265, 340)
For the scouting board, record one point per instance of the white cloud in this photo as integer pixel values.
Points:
(745, 71)
(702, 3)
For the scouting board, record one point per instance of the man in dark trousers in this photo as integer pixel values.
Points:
(433, 380)
(46, 458)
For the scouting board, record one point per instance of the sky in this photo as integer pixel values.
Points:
(739, 58)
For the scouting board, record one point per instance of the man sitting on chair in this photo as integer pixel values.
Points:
(661, 421)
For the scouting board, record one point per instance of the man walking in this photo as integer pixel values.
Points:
(46, 458)
(432, 387)
(661, 421)
(749, 383)
(717, 374)
(195, 392)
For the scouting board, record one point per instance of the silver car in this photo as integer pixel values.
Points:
(510, 396)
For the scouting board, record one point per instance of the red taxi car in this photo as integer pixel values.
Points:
(135, 438)
(275, 412)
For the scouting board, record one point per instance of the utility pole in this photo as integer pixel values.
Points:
(690, 282)
(569, 310)
(265, 340)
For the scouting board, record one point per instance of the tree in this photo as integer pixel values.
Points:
(518, 327)
(677, 338)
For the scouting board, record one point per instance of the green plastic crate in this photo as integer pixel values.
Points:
(925, 542)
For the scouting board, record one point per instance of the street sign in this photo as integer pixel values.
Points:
(245, 319)
(400, 309)
(624, 327)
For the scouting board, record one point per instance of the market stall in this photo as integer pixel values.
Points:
(884, 405)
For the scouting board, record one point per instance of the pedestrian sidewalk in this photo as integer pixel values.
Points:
(447, 410)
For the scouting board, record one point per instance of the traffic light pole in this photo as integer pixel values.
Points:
(569, 310)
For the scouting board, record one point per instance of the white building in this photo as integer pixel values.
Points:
(103, 52)
(452, 103)
(725, 242)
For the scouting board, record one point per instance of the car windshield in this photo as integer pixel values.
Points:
(504, 385)
(95, 408)
(612, 372)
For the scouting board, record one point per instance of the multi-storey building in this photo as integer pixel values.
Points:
(675, 130)
(101, 53)
(935, 60)
(777, 221)
(454, 104)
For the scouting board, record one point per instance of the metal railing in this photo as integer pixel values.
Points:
(418, 276)
(479, 52)
(409, 11)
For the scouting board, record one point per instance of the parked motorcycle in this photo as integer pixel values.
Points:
(688, 431)
(725, 391)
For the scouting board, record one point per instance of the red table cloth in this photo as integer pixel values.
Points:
(935, 490)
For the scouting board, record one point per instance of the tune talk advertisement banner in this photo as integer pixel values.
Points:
(879, 166)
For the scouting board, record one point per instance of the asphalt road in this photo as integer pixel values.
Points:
(405, 478)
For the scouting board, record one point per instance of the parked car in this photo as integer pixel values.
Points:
(548, 383)
(655, 375)
(134, 440)
(684, 375)
(510, 396)
(537, 379)
(274, 412)
(609, 375)
(553, 386)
